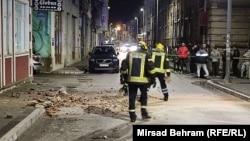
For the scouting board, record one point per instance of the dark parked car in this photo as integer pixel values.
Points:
(103, 58)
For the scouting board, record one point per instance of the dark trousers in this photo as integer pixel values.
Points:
(215, 68)
(223, 70)
(235, 67)
(192, 65)
(163, 84)
(183, 62)
(132, 90)
(176, 65)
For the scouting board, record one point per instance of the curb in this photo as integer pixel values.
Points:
(229, 91)
(68, 72)
(21, 127)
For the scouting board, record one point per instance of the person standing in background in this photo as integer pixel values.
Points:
(202, 72)
(183, 56)
(193, 51)
(215, 58)
(223, 58)
(245, 65)
(235, 61)
(176, 59)
(201, 60)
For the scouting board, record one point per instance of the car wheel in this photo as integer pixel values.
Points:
(116, 71)
(36, 71)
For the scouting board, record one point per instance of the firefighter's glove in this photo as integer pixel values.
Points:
(123, 88)
(123, 79)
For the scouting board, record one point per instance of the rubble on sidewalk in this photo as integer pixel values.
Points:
(53, 100)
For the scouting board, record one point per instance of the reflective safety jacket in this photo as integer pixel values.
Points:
(138, 67)
(161, 62)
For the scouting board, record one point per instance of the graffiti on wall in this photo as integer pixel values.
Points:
(41, 33)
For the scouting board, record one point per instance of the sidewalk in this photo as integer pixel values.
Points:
(76, 68)
(237, 87)
(12, 126)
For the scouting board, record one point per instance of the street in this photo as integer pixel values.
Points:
(102, 113)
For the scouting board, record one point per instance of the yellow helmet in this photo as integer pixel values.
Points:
(160, 46)
(143, 45)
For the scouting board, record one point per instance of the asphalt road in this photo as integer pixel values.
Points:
(104, 116)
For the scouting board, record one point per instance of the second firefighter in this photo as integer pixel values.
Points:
(162, 68)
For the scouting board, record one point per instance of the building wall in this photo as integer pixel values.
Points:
(41, 32)
(86, 15)
(99, 21)
(15, 42)
(240, 24)
(173, 23)
(70, 33)
(62, 48)
(194, 21)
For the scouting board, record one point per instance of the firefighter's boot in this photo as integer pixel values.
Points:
(144, 114)
(132, 116)
(166, 97)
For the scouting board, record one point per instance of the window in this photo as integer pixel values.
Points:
(20, 28)
(6, 27)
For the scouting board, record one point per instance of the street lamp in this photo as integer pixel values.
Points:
(228, 42)
(143, 20)
(110, 32)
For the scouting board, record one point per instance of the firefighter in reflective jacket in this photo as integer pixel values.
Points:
(162, 68)
(138, 68)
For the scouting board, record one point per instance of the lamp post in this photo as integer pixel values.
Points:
(143, 20)
(110, 32)
(228, 42)
(115, 30)
(136, 28)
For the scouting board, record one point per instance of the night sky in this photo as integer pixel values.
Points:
(124, 10)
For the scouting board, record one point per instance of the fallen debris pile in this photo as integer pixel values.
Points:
(53, 101)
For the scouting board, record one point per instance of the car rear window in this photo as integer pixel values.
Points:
(104, 50)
